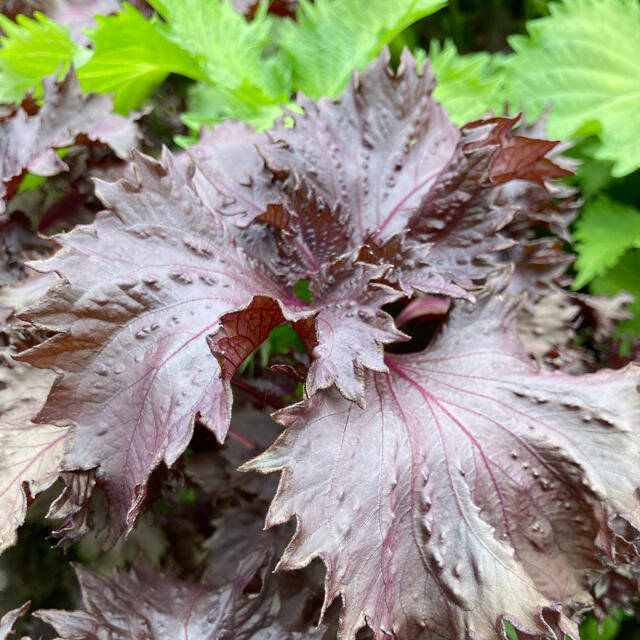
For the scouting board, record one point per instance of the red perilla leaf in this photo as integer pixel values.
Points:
(30, 454)
(473, 486)
(368, 198)
(132, 322)
(7, 621)
(29, 142)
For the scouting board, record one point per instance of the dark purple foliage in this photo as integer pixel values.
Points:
(448, 477)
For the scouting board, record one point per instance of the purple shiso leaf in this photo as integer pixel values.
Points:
(162, 297)
(142, 289)
(386, 154)
(30, 454)
(231, 177)
(9, 618)
(145, 603)
(375, 151)
(474, 486)
(68, 116)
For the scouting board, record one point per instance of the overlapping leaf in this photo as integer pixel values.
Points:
(623, 277)
(146, 603)
(133, 319)
(376, 151)
(473, 487)
(153, 288)
(569, 61)
(29, 142)
(32, 49)
(144, 288)
(606, 230)
(330, 39)
(468, 85)
(132, 57)
(30, 454)
(244, 602)
(230, 51)
(388, 155)
(79, 15)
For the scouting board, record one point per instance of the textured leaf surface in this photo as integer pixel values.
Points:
(568, 60)
(329, 39)
(147, 604)
(145, 286)
(230, 177)
(30, 454)
(547, 325)
(389, 157)
(605, 230)
(229, 48)
(376, 151)
(131, 58)
(29, 142)
(30, 50)
(473, 486)
(166, 281)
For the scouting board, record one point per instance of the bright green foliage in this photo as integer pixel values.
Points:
(32, 49)
(584, 59)
(606, 230)
(242, 72)
(607, 629)
(623, 277)
(468, 85)
(331, 38)
(211, 103)
(132, 57)
(230, 51)
(594, 176)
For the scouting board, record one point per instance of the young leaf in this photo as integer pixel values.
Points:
(469, 85)
(329, 39)
(30, 50)
(583, 60)
(132, 57)
(376, 150)
(605, 231)
(471, 477)
(31, 453)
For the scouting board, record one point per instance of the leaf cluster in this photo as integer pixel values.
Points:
(244, 69)
(389, 273)
(581, 61)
